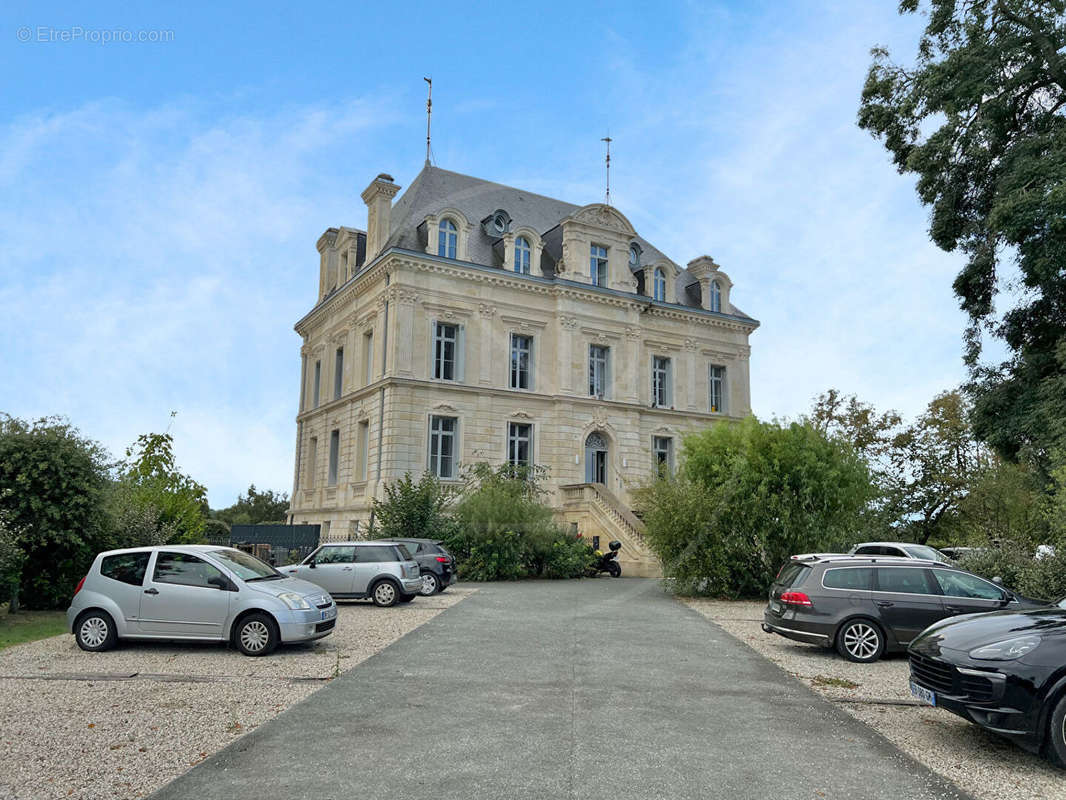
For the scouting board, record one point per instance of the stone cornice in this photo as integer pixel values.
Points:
(396, 258)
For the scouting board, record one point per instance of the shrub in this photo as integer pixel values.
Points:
(748, 496)
(12, 559)
(413, 510)
(53, 483)
(1014, 563)
(503, 531)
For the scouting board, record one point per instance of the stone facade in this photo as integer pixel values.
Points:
(370, 345)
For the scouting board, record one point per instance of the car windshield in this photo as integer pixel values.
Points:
(924, 551)
(244, 566)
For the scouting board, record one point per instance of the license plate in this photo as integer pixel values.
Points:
(923, 694)
(329, 613)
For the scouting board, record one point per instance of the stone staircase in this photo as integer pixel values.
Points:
(598, 512)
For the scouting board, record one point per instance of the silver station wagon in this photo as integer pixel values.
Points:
(385, 572)
(196, 592)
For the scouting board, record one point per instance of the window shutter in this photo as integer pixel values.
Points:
(670, 383)
(532, 361)
(460, 355)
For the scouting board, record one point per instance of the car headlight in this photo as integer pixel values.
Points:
(293, 601)
(1008, 649)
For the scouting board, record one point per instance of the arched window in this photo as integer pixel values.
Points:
(448, 236)
(634, 255)
(716, 296)
(521, 255)
(660, 285)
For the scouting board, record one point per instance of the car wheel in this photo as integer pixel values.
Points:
(95, 631)
(430, 584)
(256, 635)
(614, 569)
(385, 594)
(407, 598)
(1056, 740)
(860, 640)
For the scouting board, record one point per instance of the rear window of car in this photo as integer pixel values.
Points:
(792, 574)
(126, 567)
(406, 549)
(855, 578)
(378, 552)
(905, 580)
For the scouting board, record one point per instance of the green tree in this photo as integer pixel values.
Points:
(413, 509)
(255, 508)
(150, 478)
(12, 559)
(979, 119)
(52, 486)
(1005, 502)
(747, 497)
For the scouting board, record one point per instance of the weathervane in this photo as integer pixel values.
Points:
(607, 139)
(429, 114)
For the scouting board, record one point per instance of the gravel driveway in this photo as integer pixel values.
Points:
(981, 763)
(120, 724)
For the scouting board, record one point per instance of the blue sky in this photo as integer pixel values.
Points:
(160, 201)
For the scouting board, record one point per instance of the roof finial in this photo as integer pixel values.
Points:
(429, 114)
(607, 139)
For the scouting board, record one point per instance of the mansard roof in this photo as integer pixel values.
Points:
(435, 189)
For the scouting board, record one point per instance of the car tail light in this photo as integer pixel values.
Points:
(442, 559)
(80, 584)
(796, 599)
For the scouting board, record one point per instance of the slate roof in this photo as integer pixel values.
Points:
(435, 189)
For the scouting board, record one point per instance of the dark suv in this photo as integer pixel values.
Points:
(866, 605)
(435, 564)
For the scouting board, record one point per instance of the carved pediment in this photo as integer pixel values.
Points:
(444, 407)
(603, 216)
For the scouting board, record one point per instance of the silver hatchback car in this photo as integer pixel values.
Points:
(195, 592)
(385, 572)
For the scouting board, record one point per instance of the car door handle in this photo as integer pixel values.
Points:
(955, 609)
(153, 590)
(885, 603)
(346, 569)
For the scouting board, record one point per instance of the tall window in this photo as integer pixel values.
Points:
(717, 390)
(521, 255)
(519, 444)
(442, 446)
(318, 382)
(312, 459)
(521, 347)
(663, 449)
(338, 373)
(716, 296)
(363, 444)
(660, 382)
(445, 351)
(598, 265)
(598, 355)
(660, 285)
(334, 456)
(368, 357)
(447, 236)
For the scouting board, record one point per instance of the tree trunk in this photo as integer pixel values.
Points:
(13, 600)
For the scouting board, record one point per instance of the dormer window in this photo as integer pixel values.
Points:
(716, 296)
(499, 223)
(522, 252)
(660, 285)
(447, 238)
(634, 255)
(598, 265)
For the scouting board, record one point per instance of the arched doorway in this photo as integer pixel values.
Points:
(596, 458)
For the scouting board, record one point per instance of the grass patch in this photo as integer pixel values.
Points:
(29, 626)
(837, 683)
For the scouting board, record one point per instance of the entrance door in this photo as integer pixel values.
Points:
(596, 458)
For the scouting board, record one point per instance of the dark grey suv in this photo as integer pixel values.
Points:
(435, 564)
(864, 605)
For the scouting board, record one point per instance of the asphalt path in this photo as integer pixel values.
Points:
(599, 688)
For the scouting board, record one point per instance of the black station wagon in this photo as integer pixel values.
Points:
(865, 606)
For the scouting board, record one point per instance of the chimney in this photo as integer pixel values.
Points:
(378, 198)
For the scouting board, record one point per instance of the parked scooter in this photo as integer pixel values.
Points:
(607, 562)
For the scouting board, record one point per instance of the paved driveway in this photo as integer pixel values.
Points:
(577, 689)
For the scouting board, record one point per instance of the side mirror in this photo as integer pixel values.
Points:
(311, 565)
(997, 580)
(220, 582)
